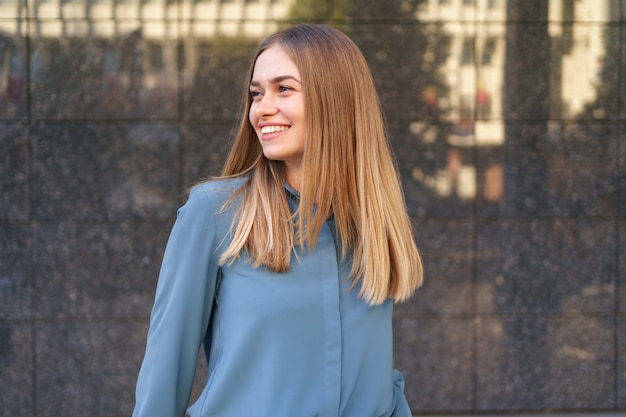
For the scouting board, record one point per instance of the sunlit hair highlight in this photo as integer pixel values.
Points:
(348, 170)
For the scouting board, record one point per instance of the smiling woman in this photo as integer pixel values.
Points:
(287, 266)
(277, 112)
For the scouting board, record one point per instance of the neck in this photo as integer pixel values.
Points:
(294, 179)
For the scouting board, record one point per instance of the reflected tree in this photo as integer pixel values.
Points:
(609, 88)
(599, 138)
(526, 108)
(405, 56)
(526, 102)
(219, 77)
(321, 11)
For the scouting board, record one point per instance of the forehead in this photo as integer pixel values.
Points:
(274, 62)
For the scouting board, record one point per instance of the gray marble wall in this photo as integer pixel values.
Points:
(508, 119)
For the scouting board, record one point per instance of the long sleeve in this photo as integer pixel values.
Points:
(181, 310)
(401, 408)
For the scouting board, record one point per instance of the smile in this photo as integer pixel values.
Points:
(273, 129)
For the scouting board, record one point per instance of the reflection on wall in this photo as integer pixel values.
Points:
(474, 72)
(130, 59)
(133, 55)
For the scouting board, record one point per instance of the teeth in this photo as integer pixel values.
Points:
(273, 129)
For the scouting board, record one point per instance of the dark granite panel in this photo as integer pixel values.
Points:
(446, 247)
(527, 11)
(15, 271)
(622, 79)
(621, 265)
(621, 363)
(536, 363)
(546, 266)
(438, 174)
(16, 367)
(105, 171)
(215, 80)
(12, 67)
(621, 170)
(551, 169)
(383, 10)
(527, 64)
(102, 70)
(407, 62)
(96, 270)
(14, 171)
(87, 369)
(317, 10)
(205, 148)
(435, 359)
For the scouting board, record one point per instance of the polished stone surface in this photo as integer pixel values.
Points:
(105, 271)
(546, 266)
(205, 148)
(14, 171)
(16, 369)
(446, 250)
(96, 170)
(435, 356)
(544, 363)
(214, 81)
(115, 75)
(554, 169)
(621, 269)
(435, 181)
(621, 360)
(14, 73)
(15, 272)
(82, 362)
(621, 171)
(508, 123)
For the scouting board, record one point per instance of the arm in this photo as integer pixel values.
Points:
(181, 311)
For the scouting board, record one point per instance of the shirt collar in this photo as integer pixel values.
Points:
(292, 193)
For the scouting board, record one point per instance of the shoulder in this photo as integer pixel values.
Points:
(218, 190)
(214, 194)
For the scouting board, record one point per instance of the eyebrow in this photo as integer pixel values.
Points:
(276, 80)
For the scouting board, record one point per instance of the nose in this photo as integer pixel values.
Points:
(265, 106)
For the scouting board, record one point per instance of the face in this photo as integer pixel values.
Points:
(277, 111)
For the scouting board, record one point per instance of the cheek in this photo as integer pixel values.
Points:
(253, 122)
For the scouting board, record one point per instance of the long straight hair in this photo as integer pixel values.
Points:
(348, 170)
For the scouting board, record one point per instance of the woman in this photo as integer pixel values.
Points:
(287, 266)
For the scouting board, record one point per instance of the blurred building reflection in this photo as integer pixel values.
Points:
(135, 51)
(474, 73)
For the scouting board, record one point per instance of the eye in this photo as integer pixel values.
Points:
(284, 88)
(254, 94)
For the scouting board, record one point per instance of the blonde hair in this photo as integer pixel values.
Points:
(348, 170)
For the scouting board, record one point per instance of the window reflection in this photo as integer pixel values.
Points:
(130, 53)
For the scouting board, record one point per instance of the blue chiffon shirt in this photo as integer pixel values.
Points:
(293, 344)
